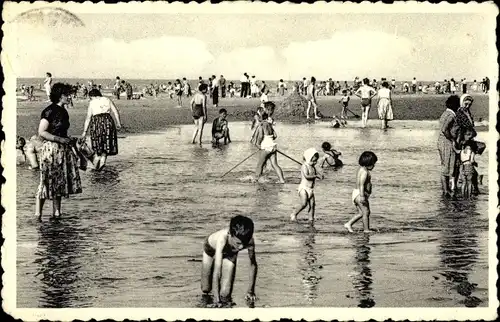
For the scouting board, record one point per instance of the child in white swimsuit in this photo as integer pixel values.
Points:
(306, 187)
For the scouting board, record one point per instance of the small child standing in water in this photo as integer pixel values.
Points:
(345, 103)
(306, 187)
(363, 191)
(220, 252)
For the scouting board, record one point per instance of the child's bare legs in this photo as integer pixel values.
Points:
(38, 207)
(198, 128)
(366, 110)
(276, 167)
(263, 155)
(363, 212)
(312, 208)
(227, 278)
(56, 207)
(309, 103)
(207, 269)
(304, 201)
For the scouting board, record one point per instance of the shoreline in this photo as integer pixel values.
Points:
(151, 114)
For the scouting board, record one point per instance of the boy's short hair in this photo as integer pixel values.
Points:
(366, 81)
(367, 158)
(385, 84)
(222, 110)
(326, 146)
(241, 227)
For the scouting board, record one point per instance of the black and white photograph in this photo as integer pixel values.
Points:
(249, 160)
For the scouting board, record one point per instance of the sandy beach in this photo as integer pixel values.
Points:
(151, 114)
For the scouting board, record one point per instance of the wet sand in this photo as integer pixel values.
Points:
(156, 114)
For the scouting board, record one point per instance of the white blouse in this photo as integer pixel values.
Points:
(100, 105)
(384, 93)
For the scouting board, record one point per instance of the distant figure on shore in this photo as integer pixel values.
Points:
(366, 93)
(414, 85)
(222, 84)
(281, 87)
(116, 88)
(199, 112)
(385, 104)
(311, 98)
(47, 84)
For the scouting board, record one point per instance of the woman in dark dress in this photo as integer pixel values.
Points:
(58, 165)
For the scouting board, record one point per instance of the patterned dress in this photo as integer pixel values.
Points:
(445, 146)
(59, 174)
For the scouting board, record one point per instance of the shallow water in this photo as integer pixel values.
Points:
(133, 238)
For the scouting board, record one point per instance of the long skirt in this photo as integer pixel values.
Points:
(447, 155)
(103, 134)
(215, 95)
(58, 171)
(385, 109)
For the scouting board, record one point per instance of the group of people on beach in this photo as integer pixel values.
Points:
(59, 158)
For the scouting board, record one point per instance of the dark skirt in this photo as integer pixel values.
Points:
(215, 95)
(103, 134)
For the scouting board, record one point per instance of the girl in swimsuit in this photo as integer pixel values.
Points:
(363, 190)
(306, 187)
(199, 111)
(263, 138)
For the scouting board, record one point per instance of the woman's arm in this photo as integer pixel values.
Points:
(115, 112)
(87, 121)
(43, 132)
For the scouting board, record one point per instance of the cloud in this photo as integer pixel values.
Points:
(347, 54)
(164, 57)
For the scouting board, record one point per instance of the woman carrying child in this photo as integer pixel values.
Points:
(103, 129)
(306, 187)
(199, 111)
(263, 138)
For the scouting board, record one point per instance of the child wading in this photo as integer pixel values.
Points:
(263, 138)
(366, 93)
(363, 191)
(220, 128)
(306, 187)
(199, 112)
(220, 252)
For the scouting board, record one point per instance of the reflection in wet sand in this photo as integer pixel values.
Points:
(459, 249)
(362, 278)
(58, 261)
(309, 267)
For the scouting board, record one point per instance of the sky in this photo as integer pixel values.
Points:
(289, 45)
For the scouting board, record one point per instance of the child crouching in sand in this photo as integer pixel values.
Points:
(363, 191)
(220, 128)
(220, 252)
(331, 156)
(306, 187)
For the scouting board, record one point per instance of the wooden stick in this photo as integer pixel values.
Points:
(248, 157)
(288, 157)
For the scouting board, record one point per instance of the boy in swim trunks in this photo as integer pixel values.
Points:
(311, 98)
(363, 191)
(306, 187)
(345, 103)
(220, 129)
(220, 252)
(366, 93)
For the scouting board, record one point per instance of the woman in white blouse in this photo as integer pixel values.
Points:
(103, 131)
(384, 104)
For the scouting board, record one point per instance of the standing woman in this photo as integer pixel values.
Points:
(102, 127)
(47, 84)
(58, 165)
(446, 145)
(199, 111)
